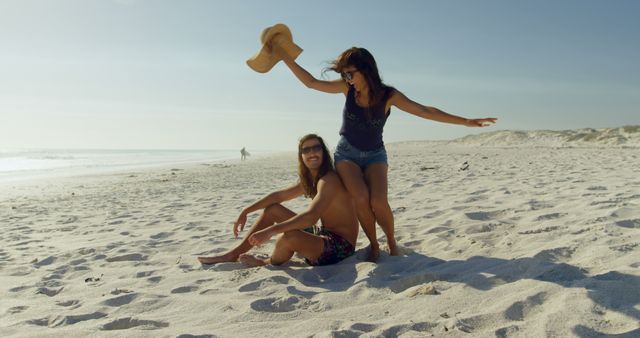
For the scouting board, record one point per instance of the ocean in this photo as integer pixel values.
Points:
(28, 164)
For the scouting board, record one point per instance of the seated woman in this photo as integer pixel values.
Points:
(331, 204)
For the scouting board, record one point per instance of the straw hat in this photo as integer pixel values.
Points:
(265, 59)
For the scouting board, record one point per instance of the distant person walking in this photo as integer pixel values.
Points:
(243, 154)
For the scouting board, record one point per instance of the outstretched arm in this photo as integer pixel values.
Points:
(327, 188)
(404, 103)
(273, 198)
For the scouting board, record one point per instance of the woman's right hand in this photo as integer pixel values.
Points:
(242, 219)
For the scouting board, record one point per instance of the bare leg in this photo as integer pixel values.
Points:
(376, 175)
(308, 245)
(252, 261)
(353, 180)
(274, 213)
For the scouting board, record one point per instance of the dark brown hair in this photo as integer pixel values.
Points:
(364, 62)
(309, 184)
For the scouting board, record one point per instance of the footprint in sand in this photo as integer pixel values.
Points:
(129, 322)
(161, 235)
(404, 283)
(281, 304)
(509, 331)
(47, 261)
(16, 309)
(539, 231)
(49, 292)
(265, 282)
(629, 247)
(20, 288)
(204, 281)
(130, 257)
(483, 215)
(406, 329)
(629, 223)
(155, 279)
(120, 300)
(185, 289)
(520, 310)
(480, 228)
(547, 217)
(142, 274)
(55, 321)
(422, 290)
(53, 276)
(363, 327)
(438, 229)
(71, 304)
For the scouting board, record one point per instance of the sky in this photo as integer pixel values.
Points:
(134, 74)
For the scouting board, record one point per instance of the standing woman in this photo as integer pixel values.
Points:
(360, 157)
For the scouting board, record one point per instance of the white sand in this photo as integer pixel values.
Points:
(527, 242)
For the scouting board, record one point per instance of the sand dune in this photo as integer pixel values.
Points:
(628, 136)
(524, 242)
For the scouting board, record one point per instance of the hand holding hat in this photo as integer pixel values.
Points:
(275, 40)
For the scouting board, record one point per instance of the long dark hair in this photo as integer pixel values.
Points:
(309, 184)
(364, 62)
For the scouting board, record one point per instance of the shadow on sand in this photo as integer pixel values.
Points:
(613, 290)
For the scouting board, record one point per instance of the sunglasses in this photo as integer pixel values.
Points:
(314, 148)
(348, 75)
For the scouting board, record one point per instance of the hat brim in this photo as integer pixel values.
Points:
(265, 59)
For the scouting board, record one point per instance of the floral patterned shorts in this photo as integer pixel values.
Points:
(335, 249)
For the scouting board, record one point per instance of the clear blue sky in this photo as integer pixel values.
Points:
(172, 74)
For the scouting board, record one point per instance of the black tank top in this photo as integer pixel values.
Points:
(361, 131)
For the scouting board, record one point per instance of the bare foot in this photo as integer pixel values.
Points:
(252, 261)
(218, 259)
(374, 253)
(393, 249)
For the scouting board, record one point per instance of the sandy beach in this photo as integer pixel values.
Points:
(529, 241)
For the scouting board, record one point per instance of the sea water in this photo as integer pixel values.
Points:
(28, 164)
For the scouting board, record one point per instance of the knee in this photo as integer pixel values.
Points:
(285, 240)
(379, 203)
(271, 210)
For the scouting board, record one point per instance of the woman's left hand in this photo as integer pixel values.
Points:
(480, 122)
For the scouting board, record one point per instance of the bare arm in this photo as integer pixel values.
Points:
(404, 103)
(333, 87)
(327, 188)
(273, 198)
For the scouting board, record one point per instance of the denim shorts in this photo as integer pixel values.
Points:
(347, 152)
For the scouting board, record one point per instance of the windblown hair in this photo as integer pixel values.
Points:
(364, 62)
(309, 184)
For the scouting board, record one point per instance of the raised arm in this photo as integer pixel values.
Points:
(333, 87)
(273, 198)
(327, 188)
(404, 103)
